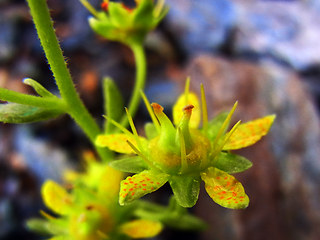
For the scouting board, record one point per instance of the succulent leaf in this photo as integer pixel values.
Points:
(186, 189)
(231, 163)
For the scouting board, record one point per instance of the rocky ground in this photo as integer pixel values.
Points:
(263, 53)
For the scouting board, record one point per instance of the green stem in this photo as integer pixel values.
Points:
(77, 110)
(141, 69)
(44, 102)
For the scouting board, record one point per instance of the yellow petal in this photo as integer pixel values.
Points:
(141, 228)
(184, 100)
(138, 185)
(56, 197)
(117, 142)
(224, 189)
(110, 182)
(249, 133)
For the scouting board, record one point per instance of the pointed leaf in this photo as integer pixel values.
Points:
(19, 113)
(56, 197)
(38, 87)
(232, 163)
(215, 124)
(113, 103)
(249, 133)
(185, 189)
(184, 100)
(117, 142)
(130, 164)
(141, 228)
(224, 189)
(138, 185)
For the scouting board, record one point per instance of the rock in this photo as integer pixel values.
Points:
(200, 26)
(286, 31)
(283, 184)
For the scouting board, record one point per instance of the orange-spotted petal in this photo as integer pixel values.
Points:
(184, 100)
(56, 197)
(249, 133)
(117, 142)
(224, 189)
(141, 228)
(141, 184)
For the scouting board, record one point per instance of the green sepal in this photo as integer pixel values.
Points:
(150, 130)
(38, 87)
(173, 215)
(129, 164)
(215, 124)
(118, 15)
(105, 29)
(185, 189)
(143, 14)
(231, 163)
(39, 226)
(19, 113)
(47, 227)
(113, 103)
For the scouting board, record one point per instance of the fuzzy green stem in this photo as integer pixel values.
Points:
(42, 20)
(140, 59)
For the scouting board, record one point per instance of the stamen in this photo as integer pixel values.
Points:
(158, 8)
(139, 153)
(118, 125)
(204, 109)
(184, 163)
(151, 113)
(90, 8)
(225, 124)
(186, 90)
(220, 147)
(133, 128)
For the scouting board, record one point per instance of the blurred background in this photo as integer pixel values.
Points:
(264, 53)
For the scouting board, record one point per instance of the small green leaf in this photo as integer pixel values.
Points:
(47, 227)
(129, 164)
(186, 189)
(138, 185)
(38, 88)
(19, 113)
(215, 124)
(232, 163)
(150, 130)
(38, 225)
(113, 103)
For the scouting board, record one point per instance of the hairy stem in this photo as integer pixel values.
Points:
(42, 20)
